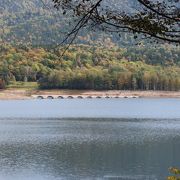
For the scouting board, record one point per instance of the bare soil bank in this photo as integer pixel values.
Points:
(17, 94)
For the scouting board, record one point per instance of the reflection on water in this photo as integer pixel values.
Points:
(41, 149)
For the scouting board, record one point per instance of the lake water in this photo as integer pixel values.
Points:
(89, 139)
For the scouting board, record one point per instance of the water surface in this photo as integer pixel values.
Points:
(96, 108)
(89, 139)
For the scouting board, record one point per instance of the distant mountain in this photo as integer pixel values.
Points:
(36, 23)
(28, 22)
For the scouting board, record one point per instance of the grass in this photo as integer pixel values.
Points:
(22, 85)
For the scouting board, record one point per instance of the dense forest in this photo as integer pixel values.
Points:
(93, 67)
(29, 31)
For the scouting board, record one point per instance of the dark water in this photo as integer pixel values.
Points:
(50, 140)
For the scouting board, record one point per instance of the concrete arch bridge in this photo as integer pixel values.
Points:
(79, 96)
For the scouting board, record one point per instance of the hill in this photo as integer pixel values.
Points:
(30, 30)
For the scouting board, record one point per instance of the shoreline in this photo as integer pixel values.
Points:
(25, 94)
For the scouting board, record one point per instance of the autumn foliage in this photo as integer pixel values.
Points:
(93, 67)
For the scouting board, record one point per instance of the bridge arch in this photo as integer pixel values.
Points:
(50, 97)
(40, 97)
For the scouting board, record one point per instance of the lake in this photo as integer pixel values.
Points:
(89, 139)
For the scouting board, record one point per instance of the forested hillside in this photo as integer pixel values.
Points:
(28, 22)
(29, 30)
(87, 67)
(37, 24)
